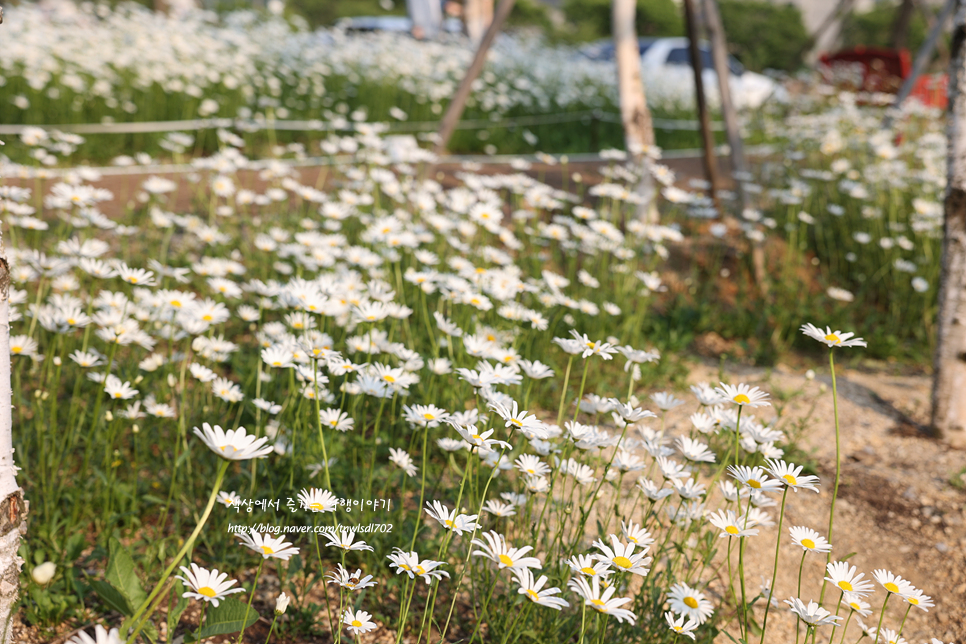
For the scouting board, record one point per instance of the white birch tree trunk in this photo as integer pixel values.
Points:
(12, 507)
(949, 384)
(636, 118)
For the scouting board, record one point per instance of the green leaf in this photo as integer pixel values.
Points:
(175, 612)
(848, 556)
(151, 632)
(110, 596)
(122, 575)
(229, 617)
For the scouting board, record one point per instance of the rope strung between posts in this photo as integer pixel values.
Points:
(248, 125)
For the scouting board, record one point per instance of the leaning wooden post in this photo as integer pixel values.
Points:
(923, 56)
(707, 137)
(739, 166)
(456, 106)
(949, 381)
(12, 508)
(635, 116)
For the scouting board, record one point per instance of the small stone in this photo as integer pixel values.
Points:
(910, 494)
(942, 547)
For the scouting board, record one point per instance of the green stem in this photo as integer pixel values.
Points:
(903, 623)
(271, 628)
(563, 392)
(774, 572)
(251, 598)
(187, 546)
(838, 464)
(878, 629)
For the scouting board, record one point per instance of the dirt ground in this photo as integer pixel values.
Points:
(901, 504)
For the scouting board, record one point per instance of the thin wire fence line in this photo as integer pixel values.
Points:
(496, 159)
(310, 125)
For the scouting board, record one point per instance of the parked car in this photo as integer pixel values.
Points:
(663, 58)
(397, 24)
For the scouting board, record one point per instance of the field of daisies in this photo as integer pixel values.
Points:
(386, 405)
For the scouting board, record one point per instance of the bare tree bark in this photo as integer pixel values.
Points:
(12, 508)
(704, 118)
(900, 26)
(635, 116)
(923, 57)
(840, 9)
(456, 106)
(739, 166)
(949, 383)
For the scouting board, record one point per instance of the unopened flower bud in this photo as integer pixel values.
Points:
(58, 361)
(281, 603)
(108, 416)
(43, 573)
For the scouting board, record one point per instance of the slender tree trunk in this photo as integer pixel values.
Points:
(636, 117)
(13, 511)
(704, 118)
(923, 58)
(456, 106)
(900, 27)
(840, 9)
(949, 384)
(739, 166)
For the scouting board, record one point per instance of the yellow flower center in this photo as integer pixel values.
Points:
(831, 337)
(891, 587)
(268, 551)
(388, 378)
(755, 484)
(846, 586)
(590, 345)
(16, 349)
(808, 543)
(587, 570)
(429, 417)
(317, 507)
(913, 601)
(207, 317)
(623, 562)
(477, 437)
(791, 480)
(207, 591)
(742, 399)
(133, 280)
(449, 524)
(117, 395)
(690, 602)
(534, 596)
(356, 623)
(71, 321)
(855, 605)
(505, 560)
(731, 529)
(517, 423)
(420, 570)
(596, 602)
